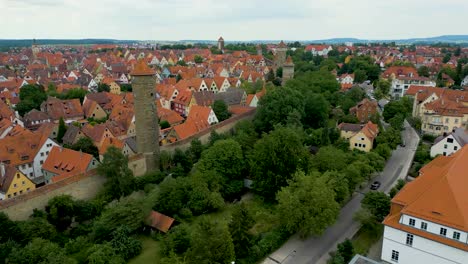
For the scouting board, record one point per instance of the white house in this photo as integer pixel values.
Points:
(465, 81)
(401, 84)
(428, 220)
(447, 145)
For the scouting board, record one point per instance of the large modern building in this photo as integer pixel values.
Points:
(428, 220)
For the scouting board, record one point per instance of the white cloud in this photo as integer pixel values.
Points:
(235, 20)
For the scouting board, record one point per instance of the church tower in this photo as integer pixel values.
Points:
(35, 49)
(288, 70)
(280, 57)
(146, 119)
(221, 44)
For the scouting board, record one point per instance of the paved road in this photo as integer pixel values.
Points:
(315, 249)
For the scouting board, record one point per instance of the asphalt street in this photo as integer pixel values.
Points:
(317, 249)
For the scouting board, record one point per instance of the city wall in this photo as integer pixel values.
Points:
(86, 186)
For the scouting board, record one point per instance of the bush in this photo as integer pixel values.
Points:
(429, 138)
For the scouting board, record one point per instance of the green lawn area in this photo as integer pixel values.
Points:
(365, 238)
(149, 253)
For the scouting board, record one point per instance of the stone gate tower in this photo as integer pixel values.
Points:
(146, 119)
(280, 57)
(288, 70)
(35, 49)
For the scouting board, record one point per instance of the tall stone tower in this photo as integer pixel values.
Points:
(280, 57)
(221, 43)
(146, 119)
(288, 70)
(259, 49)
(35, 49)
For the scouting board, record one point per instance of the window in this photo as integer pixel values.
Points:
(456, 121)
(41, 162)
(443, 231)
(21, 191)
(446, 120)
(27, 189)
(409, 239)
(412, 222)
(449, 140)
(363, 145)
(23, 182)
(9, 196)
(355, 144)
(14, 185)
(17, 176)
(42, 154)
(445, 146)
(424, 225)
(455, 148)
(445, 153)
(456, 235)
(395, 255)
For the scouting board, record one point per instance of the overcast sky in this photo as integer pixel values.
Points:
(232, 19)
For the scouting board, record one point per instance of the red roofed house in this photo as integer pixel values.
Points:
(63, 163)
(428, 219)
(319, 50)
(160, 222)
(69, 110)
(360, 137)
(364, 110)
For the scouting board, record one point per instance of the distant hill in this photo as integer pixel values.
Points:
(452, 39)
(28, 42)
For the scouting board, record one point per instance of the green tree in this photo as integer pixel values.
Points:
(195, 150)
(114, 166)
(124, 244)
(9, 229)
(378, 204)
(275, 157)
(198, 59)
(239, 226)
(60, 211)
(164, 124)
(310, 204)
(330, 158)
(62, 129)
(400, 184)
(221, 110)
(384, 86)
(31, 97)
(103, 254)
(316, 111)
(211, 243)
(360, 76)
(391, 137)
(383, 150)
(225, 157)
(86, 145)
(177, 240)
(423, 71)
(346, 249)
(40, 251)
(275, 106)
(130, 211)
(102, 87)
(338, 182)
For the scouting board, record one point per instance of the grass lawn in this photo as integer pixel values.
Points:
(365, 238)
(149, 252)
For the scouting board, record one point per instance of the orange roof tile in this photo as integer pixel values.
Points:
(66, 161)
(142, 69)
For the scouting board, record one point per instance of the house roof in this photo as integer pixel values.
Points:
(159, 221)
(110, 142)
(350, 127)
(438, 195)
(21, 148)
(7, 174)
(142, 69)
(66, 161)
(57, 108)
(190, 128)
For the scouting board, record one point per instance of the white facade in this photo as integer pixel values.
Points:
(400, 86)
(446, 147)
(212, 119)
(422, 250)
(41, 156)
(465, 81)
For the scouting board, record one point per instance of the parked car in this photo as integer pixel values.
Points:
(375, 185)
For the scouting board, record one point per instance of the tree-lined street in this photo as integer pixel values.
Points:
(317, 249)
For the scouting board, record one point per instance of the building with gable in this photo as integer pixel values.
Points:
(428, 219)
(451, 143)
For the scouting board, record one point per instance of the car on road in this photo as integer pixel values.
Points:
(403, 145)
(375, 185)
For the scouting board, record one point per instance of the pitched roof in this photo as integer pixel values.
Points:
(350, 127)
(142, 69)
(159, 221)
(7, 174)
(438, 195)
(66, 161)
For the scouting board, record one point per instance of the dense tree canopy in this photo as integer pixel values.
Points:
(310, 204)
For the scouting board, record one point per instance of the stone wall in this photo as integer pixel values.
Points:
(86, 186)
(204, 136)
(83, 186)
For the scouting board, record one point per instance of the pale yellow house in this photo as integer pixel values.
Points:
(440, 110)
(13, 182)
(114, 88)
(360, 136)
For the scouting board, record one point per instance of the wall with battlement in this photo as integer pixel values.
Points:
(86, 186)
